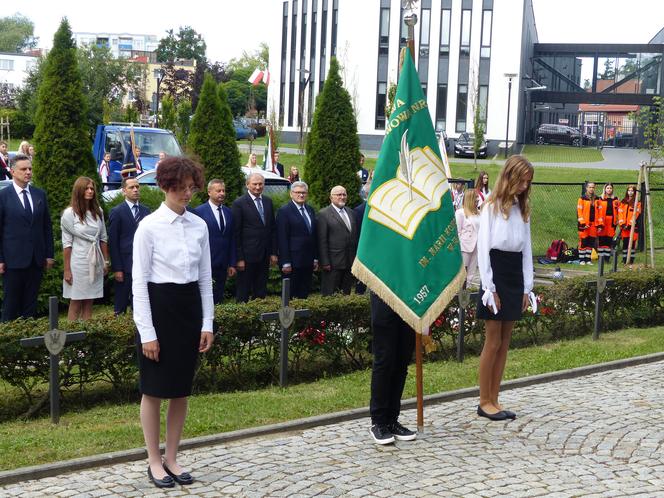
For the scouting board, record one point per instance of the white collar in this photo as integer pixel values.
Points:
(171, 215)
(21, 189)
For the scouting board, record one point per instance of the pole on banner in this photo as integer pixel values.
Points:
(410, 18)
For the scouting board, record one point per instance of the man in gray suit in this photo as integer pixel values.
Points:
(337, 243)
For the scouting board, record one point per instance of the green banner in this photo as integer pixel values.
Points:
(409, 251)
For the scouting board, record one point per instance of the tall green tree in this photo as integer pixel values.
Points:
(186, 44)
(212, 138)
(17, 34)
(62, 144)
(168, 115)
(650, 120)
(183, 122)
(333, 148)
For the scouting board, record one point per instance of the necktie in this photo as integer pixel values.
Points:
(306, 220)
(344, 216)
(135, 208)
(222, 225)
(259, 205)
(26, 203)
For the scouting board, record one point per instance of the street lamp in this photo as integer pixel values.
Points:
(303, 88)
(159, 76)
(509, 76)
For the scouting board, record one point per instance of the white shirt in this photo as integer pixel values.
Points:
(170, 248)
(216, 211)
(511, 234)
(19, 192)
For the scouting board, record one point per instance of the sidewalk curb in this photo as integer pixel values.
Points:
(52, 469)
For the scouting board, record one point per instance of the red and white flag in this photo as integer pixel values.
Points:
(266, 77)
(259, 75)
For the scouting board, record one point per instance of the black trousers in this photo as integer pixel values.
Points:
(252, 281)
(122, 294)
(300, 281)
(393, 345)
(218, 284)
(336, 281)
(21, 287)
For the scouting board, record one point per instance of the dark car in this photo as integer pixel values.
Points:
(558, 134)
(243, 131)
(464, 146)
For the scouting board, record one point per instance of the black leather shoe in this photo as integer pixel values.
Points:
(184, 478)
(501, 415)
(166, 482)
(510, 415)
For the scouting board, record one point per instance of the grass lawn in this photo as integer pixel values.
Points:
(561, 154)
(116, 427)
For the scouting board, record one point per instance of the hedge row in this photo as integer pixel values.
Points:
(335, 338)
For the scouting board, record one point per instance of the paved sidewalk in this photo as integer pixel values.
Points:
(600, 435)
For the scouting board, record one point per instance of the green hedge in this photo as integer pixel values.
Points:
(335, 338)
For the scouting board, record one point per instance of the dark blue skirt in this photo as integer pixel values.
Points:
(507, 270)
(177, 316)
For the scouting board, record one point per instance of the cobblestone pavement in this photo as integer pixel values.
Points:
(600, 435)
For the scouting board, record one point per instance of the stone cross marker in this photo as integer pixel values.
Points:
(54, 340)
(286, 315)
(600, 286)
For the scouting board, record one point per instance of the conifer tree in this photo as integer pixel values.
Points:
(333, 147)
(62, 144)
(212, 139)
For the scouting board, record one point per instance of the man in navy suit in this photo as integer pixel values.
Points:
(219, 221)
(296, 235)
(255, 239)
(123, 220)
(26, 241)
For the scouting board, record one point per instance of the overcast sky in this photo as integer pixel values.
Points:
(229, 30)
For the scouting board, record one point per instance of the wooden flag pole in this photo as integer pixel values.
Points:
(411, 19)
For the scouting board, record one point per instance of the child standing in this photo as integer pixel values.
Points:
(468, 224)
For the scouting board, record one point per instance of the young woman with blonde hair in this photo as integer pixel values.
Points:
(468, 224)
(506, 271)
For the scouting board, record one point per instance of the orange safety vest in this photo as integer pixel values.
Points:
(584, 213)
(610, 220)
(625, 214)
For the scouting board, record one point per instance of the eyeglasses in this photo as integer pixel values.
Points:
(340, 195)
(299, 193)
(189, 188)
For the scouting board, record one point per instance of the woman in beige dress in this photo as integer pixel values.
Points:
(85, 249)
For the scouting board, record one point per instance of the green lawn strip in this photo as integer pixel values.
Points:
(561, 154)
(117, 427)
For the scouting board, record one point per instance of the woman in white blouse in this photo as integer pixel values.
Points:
(85, 249)
(468, 224)
(173, 311)
(506, 271)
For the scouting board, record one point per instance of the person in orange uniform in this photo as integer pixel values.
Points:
(590, 220)
(610, 205)
(625, 217)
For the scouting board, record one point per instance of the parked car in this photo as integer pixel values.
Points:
(464, 146)
(243, 131)
(559, 134)
(274, 184)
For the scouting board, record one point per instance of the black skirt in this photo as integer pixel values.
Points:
(177, 316)
(507, 270)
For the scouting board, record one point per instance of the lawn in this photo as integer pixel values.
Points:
(561, 154)
(113, 427)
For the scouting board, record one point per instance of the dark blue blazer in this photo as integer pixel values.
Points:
(222, 245)
(255, 241)
(23, 238)
(121, 230)
(296, 245)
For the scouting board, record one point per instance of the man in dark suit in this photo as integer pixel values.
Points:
(278, 166)
(123, 220)
(26, 241)
(337, 243)
(222, 242)
(255, 239)
(296, 234)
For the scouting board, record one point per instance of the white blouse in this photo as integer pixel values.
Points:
(511, 234)
(170, 248)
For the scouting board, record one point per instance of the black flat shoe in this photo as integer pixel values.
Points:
(501, 415)
(510, 415)
(166, 482)
(184, 478)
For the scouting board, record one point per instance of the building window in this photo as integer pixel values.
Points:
(441, 106)
(425, 27)
(323, 46)
(484, 102)
(381, 102)
(466, 16)
(284, 42)
(291, 86)
(485, 50)
(445, 20)
(384, 31)
(462, 108)
(335, 16)
(6, 64)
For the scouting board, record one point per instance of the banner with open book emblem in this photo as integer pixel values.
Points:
(409, 250)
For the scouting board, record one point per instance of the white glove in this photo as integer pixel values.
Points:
(489, 301)
(533, 301)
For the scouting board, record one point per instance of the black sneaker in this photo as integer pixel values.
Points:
(381, 434)
(401, 433)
